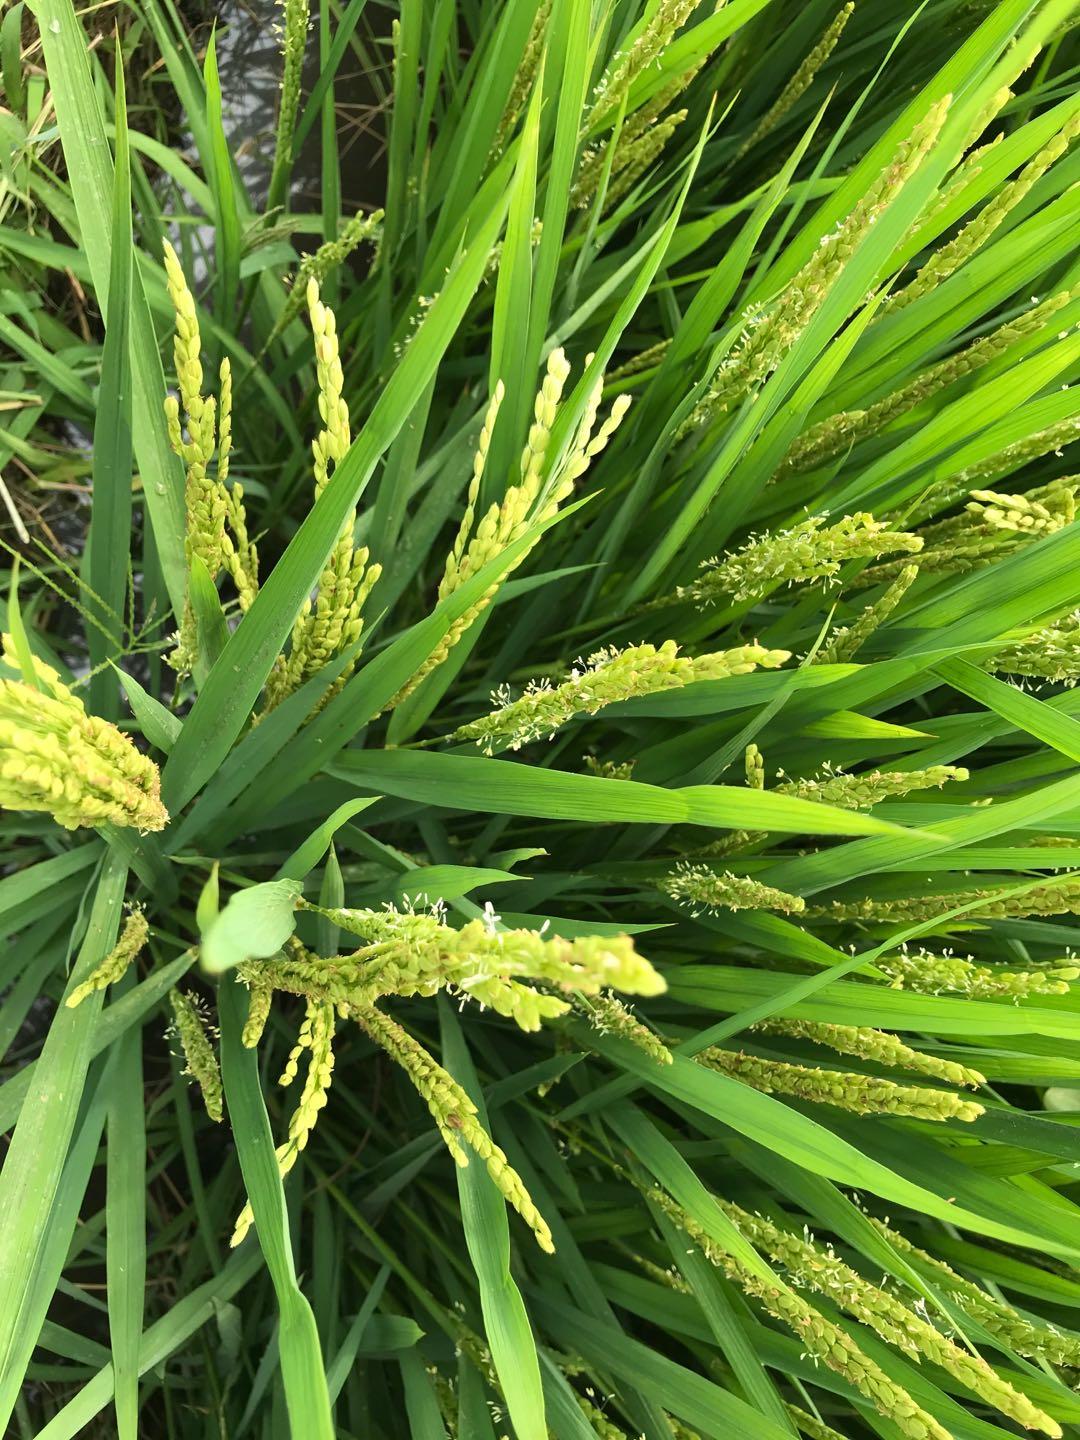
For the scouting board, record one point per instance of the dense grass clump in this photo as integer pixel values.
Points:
(536, 724)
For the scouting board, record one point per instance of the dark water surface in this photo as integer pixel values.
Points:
(249, 63)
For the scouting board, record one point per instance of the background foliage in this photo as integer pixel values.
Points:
(831, 262)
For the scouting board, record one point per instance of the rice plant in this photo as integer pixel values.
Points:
(537, 722)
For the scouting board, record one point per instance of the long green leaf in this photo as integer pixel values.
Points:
(302, 1370)
(82, 132)
(503, 788)
(109, 538)
(39, 1146)
(126, 1226)
(487, 1235)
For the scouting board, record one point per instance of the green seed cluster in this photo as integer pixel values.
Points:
(201, 1063)
(1042, 512)
(989, 527)
(861, 792)
(1050, 653)
(524, 76)
(977, 232)
(645, 360)
(1052, 897)
(610, 1016)
(446, 1396)
(702, 888)
(800, 82)
(216, 522)
(260, 999)
(991, 524)
(681, 1431)
(632, 147)
(965, 172)
(336, 619)
(954, 974)
(640, 154)
(453, 576)
(406, 956)
(811, 1426)
(326, 259)
(408, 953)
(118, 961)
(76, 767)
(770, 329)
(827, 439)
(239, 557)
(419, 954)
(1022, 452)
(293, 31)
(604, 679)
(825, 1341)
(536, 234)
(754, 763)
(878, 1046)
(546, 481)
(610, 769)
(811, 550)
(598, 1422)
(846, 792)
(737, 840)
(862, 1094)
(814, 1268)
(1051, 440)
(1038, 1342)
(649, 44)
(846, 641)
(972, 162)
